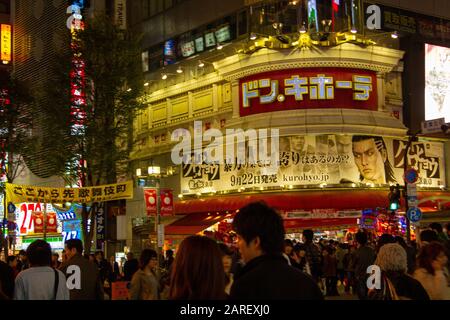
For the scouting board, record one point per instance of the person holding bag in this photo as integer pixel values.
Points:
(396, 284)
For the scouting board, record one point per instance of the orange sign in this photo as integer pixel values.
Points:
(6, 42)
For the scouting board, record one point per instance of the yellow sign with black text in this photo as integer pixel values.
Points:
(24, 193)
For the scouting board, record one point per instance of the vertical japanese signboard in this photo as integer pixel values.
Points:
(6, 42)
(100, 226)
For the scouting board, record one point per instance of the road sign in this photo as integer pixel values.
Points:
(411, 176)
(160, 235)
(412, 201)
(11, 208)
(411, 190)
(414, 214)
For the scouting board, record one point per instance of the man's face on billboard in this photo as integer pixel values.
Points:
(298, 143)
(344, 144)
(369, 161)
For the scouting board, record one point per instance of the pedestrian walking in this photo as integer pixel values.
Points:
(329, 269)
(266, 274)
(364, 257)
(88, 286)
(130, 267)
(313, 255)
(431, 262)
(144, 283)
(40, 281)
(227, 261)
(396, 284)
(197, 272)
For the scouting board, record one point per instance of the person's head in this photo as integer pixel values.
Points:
(432, 257)
(73, 247)
(436, 227)
(400, 241)
(39, 254)
(148, 259)
(12, 261)
(361, 238)
(227, 257)
(23, 255)
(259, 230)
(427, 236)
(288, 246)
(130, 256)
(344, 144)
(385, 238)
(392, 257)
(99, 256)
(55, 257)
(371, 158)
(298, 143)
(197, 272)
(308, 235)
(92, 257)
(326, 251)
(300, 250)
(169, 253)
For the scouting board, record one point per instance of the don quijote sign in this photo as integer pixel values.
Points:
(308, 88)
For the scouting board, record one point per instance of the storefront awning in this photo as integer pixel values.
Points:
(194, 223)
(308, 200)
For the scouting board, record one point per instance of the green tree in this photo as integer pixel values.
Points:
(97, 152)
(15, 130)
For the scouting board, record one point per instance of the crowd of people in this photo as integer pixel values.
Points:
(262, 265)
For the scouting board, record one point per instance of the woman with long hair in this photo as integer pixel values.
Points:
(431, 262)
(197, 272)
(144, 284)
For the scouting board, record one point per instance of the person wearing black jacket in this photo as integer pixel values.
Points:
(6, 281)
(267, 274)
(130, 267)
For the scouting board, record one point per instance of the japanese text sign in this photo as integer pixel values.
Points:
(308, 88)
(25, 193)
(6, 42)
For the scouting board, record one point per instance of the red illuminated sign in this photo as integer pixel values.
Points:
(308, 88)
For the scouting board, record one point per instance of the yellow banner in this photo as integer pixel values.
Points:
(22, 193)
(6, 42)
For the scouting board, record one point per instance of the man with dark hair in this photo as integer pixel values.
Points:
(266, 274)
(371, 158)
(83, 278)
(313, 254)
(130, 267)
(23, 261)
(364, 257)
(40, 281)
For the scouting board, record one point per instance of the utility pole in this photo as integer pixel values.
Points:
(411, 138)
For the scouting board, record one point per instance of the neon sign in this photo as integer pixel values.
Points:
(308, 88)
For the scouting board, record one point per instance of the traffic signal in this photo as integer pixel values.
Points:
(394, 198)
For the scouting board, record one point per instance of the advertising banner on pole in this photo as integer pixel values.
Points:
(166, 196)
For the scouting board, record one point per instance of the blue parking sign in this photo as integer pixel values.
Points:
(414, 214)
